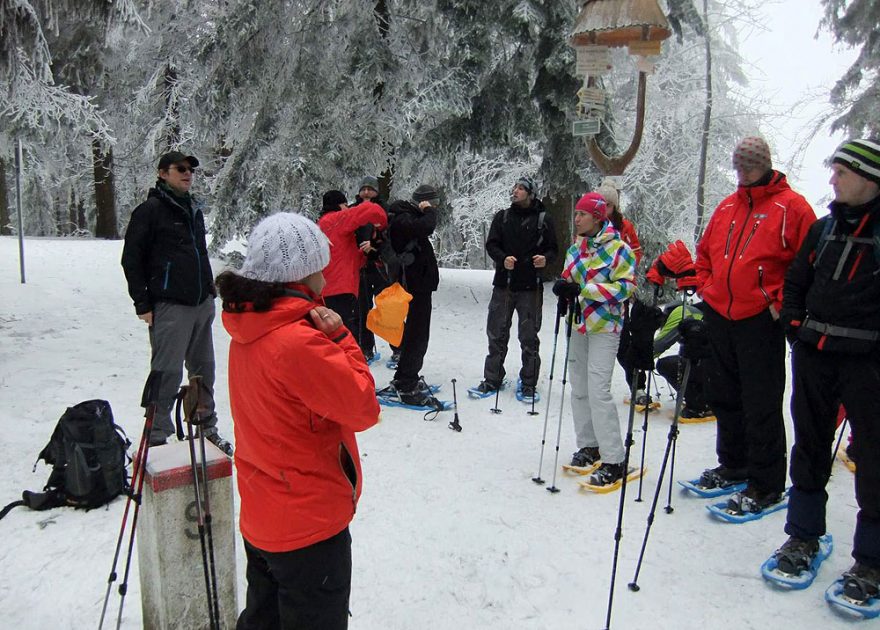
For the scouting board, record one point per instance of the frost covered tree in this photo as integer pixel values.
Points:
(857, 92)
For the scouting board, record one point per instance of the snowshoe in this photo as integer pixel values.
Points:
(749, 505)
(609, 477)
(526, 393)
(418, 399)
(486, 389)
(856, 592)
(693, 486)
(795, 564)
(584, 461)
(391, 363)
(695, 416)
(643, 401)
(846, 460)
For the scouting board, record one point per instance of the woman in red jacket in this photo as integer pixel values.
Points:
(299, 388)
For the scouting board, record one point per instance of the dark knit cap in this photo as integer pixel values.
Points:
(425, 192)
(860, 156)
(332, 199)
(369, 182)
(175, 157)
(528, 185)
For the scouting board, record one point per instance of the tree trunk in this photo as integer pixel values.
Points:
(704, 140)
(105, 193)
(5, 230)
(559, 208)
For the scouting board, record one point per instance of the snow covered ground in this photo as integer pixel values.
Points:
(451, 533)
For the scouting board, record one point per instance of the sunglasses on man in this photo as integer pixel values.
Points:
(180, 168)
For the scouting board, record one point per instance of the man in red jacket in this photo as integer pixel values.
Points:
(741, 262)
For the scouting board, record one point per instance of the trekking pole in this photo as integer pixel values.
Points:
(673, 434)
(507, 323)
(148, 402)
(189, 398)
(539, 291)
(628, 442)
(455, 425)
(682, 388)
(647, 410)
(537, 479)
(839, 438)
(571, 312)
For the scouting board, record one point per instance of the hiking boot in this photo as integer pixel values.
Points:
(643, 400)
(393, 361)
(752, 501)
(690, 413)
(607, 474)
(370, 356)
(220, 442)
(796, 555)
(487, 387)
(861, 583)
(587, 456)
(419, 398)
(527, 392)
(722, 477)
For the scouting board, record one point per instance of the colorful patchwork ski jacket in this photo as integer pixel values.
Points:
(604, 268)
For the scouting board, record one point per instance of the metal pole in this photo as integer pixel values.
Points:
(19, 164)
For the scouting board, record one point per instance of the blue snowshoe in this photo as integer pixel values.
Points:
(795, 564)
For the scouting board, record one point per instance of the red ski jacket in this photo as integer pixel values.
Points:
(297, 397)
(346, 259)
(748, 245)
(629, 236)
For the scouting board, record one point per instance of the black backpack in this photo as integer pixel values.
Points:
(87, 452)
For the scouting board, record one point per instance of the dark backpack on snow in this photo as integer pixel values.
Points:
(87, 452)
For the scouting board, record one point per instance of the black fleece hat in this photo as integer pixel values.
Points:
(174, 157)
(332, 199)
(425, 192)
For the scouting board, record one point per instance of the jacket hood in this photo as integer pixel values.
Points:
(249, 325)
(778, 183)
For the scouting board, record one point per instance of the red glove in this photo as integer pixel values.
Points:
(654, 275)
(677, 260)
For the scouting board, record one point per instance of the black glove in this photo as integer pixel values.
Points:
(566, 290)
(644, 321)
(694, 339)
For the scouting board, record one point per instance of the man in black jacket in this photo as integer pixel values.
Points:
(410, 223)
(169, 276)
(831, 309)
(522, 242)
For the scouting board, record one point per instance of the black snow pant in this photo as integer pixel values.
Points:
(416, 334)
(529, 307)
(372, 283)
(303, 589)
(745, 378)
(822, 380)
(346, 306)
(672, 369)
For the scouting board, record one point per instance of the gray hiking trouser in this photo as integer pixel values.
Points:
(590, 366)
(181, 335)
(528, 306)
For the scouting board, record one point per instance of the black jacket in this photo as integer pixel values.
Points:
(830, 283)
(515, 232)
(409, 229)
(165, 257)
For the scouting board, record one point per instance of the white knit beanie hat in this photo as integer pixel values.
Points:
(285, 247)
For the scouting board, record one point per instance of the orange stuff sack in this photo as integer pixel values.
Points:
(386, 319)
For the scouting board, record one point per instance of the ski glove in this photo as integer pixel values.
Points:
(566, 290)
(644, 322)
(676, 262)
(694, 339)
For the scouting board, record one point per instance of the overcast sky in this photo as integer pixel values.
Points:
(788, 64)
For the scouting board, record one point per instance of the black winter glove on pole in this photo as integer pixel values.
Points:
(644, 322)
(694, 339)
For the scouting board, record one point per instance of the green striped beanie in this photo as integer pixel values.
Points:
(861, 157)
